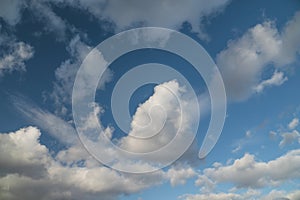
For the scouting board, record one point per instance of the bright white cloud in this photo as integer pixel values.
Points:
(247, 58)
(29, 170)
(293, 124)
(20, 152)
(66, 134)
(249, 195)
(179, 120)
(77, 161)
(166, 100)
(246, 172)
(179, 176)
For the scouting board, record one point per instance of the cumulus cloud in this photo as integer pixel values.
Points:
(178, 120)
(76, 155)
(21, 153)
(250, 194)
(246, 172)
(147, 137)
(248, 57)
(171, 109)
(29, 170)
(180, 175)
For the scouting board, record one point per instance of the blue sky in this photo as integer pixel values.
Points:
(256, 48)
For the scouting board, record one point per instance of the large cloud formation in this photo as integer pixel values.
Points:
(250, 55)
(29, 171)
(248, 174)
(120, 13)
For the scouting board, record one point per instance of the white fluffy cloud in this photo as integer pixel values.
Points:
(246, 172)
(76, 162)
(245, 59)
(248, 195)
(174, 114)
(179, 121)
(252, 175)
(180, 175)
(22, 153)
(29, 170)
